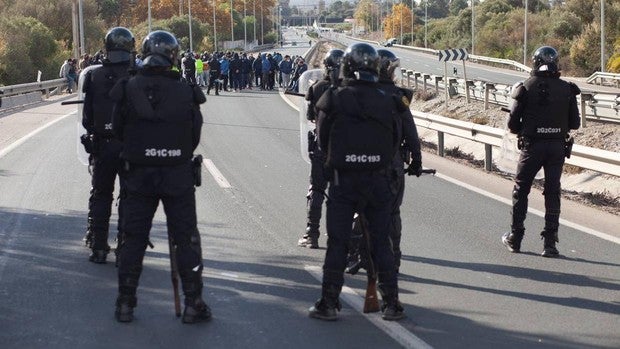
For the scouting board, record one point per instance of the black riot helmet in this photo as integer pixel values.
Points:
(387, 64)
(332, 61)
(160, 49)
(546, 59)
(119, 42)
(361, 62)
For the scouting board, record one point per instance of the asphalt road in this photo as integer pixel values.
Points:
(459, 286)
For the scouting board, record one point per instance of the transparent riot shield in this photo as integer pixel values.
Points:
(82, 155)
(306, 126)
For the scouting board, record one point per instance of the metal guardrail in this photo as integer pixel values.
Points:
(23, 94)
(44, 86)
(585, 157)
(601, 78)
(600, 106)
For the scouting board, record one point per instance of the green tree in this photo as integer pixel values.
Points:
(27, 46)
(456, 6)
(585, 56)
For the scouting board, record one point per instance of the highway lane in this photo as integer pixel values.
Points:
(430, 64)
(460, 287)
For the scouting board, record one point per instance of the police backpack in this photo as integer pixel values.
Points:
(361, 136)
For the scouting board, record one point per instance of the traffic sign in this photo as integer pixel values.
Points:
(455, 54)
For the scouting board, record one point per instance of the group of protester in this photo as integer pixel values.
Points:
(236, 71)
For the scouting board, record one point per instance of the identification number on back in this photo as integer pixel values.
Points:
(362, 158)
(162, 153)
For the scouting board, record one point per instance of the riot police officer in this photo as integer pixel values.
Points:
(214, 74)
(104, 149)
(360, 179)
(158, 118)
(543, 111)
(409, 153)
(318, 183)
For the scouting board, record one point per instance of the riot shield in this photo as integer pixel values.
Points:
(306, 126)
(82, 155)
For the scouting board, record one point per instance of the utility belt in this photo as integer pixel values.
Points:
(196, 168)
(524, 142)
(92, 142)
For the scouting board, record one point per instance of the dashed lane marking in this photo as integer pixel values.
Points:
(217, 175)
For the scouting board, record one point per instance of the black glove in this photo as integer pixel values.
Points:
(415, 168)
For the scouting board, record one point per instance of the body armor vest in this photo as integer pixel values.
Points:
(101, 82)
(546, 114)
(158, 124)
(362, 134)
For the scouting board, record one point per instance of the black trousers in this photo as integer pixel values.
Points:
(537, 154)
(145, 187)
(370, 193)
(316, 191)
(105, 164)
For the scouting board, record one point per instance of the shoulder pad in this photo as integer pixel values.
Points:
(87, 81)
(326, 101)
(199, 96)
(574, 88)
(518, 91)
(118, 91)
(406, 95)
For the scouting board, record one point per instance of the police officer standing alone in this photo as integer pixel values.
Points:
(158, 118)
(360, 178)
(318, 183)
(104, 149)
(543, 111)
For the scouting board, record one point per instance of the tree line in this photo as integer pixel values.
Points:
(573, 27)
(37, 35)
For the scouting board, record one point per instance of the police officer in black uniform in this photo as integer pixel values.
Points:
(318, 183)
(409, 153)
(99, 141)
(360, 179)
(158, 118)
(214, 74)
(543, 111)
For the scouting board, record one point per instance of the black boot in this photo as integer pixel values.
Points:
(98, 256)
(124, 308)
(512, 240)
(392, 309)
(327, 307)
(196, 310)
(550, 238)
(310, 239)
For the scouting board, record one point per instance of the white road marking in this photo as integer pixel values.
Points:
(20, 141)
(509, 202)
(391, 328)
(217, 175)
(530, 210)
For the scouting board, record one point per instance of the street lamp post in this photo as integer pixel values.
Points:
(232, 23)
(189, 16)
(426, 22)
(245, 27)
(411, 43)
(401, 22)
(473, 16)
(214, 30)
(148, 5)
(525, 35)
(81, 11)
(602, 35)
